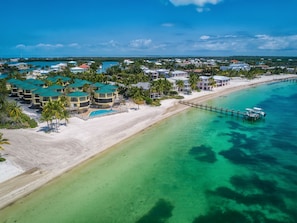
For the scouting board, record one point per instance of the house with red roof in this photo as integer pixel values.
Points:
(85, 67)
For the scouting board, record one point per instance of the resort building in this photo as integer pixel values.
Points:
(12, 86)
(105, 96)
(78, 101)
(78, 85)
(61, 80)
(57, 88)
(35, 103)
(48, 95)
(79, 95)
(26, 91)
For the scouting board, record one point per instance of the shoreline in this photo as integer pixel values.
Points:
(45, 156)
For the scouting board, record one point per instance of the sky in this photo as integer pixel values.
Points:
(131, 28)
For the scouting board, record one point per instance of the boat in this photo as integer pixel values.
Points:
(254, 113)
(259, 111)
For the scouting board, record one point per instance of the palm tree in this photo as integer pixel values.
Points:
(2, 142)
(211, 82)
(54, 110)
(15, 111)
(180, 84)
(193, 81)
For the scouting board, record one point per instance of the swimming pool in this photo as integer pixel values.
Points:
(100, 112)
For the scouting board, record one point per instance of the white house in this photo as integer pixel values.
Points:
(221, 80)
(153, 74)
(179, 73)
(204, 82)
(186, 89)
(77, 70)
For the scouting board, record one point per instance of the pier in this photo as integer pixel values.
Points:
(294, 79)
(250, 114)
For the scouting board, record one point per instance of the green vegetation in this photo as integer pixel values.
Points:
(11, 115)
(53, 112)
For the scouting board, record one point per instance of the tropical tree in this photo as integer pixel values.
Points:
(15, 111)
(2, 142)
(211, 82)
(54, 111)
(193, 80)
(180, 84)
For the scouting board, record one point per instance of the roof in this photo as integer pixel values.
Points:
(39, 90)
(49, 93)
(98, 84)
(107, 89)
(55, 87)
(221, 78)
(26, 86)
(77, 94)
(14, 81)
(35, 81)
(79, 83)
(84, 66)
(143, 85)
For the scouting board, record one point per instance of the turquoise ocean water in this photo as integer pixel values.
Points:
(197, 166)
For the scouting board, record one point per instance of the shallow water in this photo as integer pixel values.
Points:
(197, 166)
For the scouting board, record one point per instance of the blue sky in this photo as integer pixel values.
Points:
(50, 28)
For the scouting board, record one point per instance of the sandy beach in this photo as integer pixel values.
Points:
(35, 157)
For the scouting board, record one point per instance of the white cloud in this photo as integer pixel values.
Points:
(74, 45)
(204, 37)
(267, 42)
(168, 24)
(140, 43)
(199, 3)
(49, 46)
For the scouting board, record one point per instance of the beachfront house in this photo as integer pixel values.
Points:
(78, 101)
(185, 88)
(205, 83)
(208, 82)
(221, 80)
(105, 96)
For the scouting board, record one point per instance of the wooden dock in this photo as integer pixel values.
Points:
(224, 111)
(293, 79)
